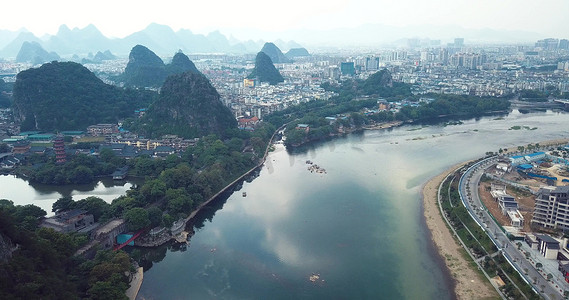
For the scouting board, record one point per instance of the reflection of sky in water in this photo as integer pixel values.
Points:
(359, 226)
(22, 193)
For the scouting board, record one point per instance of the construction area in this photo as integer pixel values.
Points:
(510, 187)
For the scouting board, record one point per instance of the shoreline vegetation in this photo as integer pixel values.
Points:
(165, 239)
(184, 184)
(468, 282)
(372, 103)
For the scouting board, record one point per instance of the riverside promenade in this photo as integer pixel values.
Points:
(260, 164)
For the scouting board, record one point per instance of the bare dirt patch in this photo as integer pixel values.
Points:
(526, 203)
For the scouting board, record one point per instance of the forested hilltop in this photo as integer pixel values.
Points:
(188, 106)
(67, 96)
(146, 69)
(265, 70)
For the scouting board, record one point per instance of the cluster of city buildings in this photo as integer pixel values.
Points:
(123, 144)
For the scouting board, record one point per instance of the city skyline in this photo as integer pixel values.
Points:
(256, 20)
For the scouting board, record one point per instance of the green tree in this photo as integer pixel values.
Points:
(358, 119)
(144, 166)
(168, 220)
(82, 174)
(155, 216)
(107, 155)
(137, 218)
(95, 206)
(178, 201)
(103, 290)
(63, 203)
(120, 205)
(153, 190)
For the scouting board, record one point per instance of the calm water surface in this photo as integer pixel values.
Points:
(22, 192)
(360, 226)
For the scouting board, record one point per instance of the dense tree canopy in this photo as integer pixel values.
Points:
(188, 106)
(43, 266)
(67, 96)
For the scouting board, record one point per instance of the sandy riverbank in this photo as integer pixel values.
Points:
(469, 284)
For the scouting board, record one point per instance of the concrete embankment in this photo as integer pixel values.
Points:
(260, 164)
(135, 284)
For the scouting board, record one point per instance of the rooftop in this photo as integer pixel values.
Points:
(547, 239)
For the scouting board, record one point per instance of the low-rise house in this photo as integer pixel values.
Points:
(73, 134)
(41, 138)
(121, 173)
(9, 162)
(531, 240)
(69, 221)
(21, 147)
(102, 129)
(162, 151)
(304, 127)
(248, 123)
(507, 204)
(38, 150)
(547, 246)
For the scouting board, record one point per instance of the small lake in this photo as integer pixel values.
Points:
(23, 192)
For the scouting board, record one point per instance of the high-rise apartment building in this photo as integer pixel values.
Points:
(552, 208)
(547, 44)
(459, 42)
(372, 63)
(348, 68)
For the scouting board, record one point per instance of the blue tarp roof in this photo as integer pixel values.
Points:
(525, 166)
(535, 154)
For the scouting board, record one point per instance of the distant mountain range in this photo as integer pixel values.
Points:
(161, 38)
(165, 41)
(277, 57)
(378, 35)
(32, 52)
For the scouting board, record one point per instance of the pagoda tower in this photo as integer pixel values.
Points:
(59, 148)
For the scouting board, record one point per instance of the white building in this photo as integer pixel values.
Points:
(552, 208)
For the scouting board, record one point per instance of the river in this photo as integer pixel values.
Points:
(359, 227)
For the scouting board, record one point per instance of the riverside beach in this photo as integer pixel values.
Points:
(468, 282)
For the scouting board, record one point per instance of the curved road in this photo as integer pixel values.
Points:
(470, 181)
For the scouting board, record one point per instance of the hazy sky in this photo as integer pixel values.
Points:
(118, 18)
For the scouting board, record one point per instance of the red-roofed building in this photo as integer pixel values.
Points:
(248, 124)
